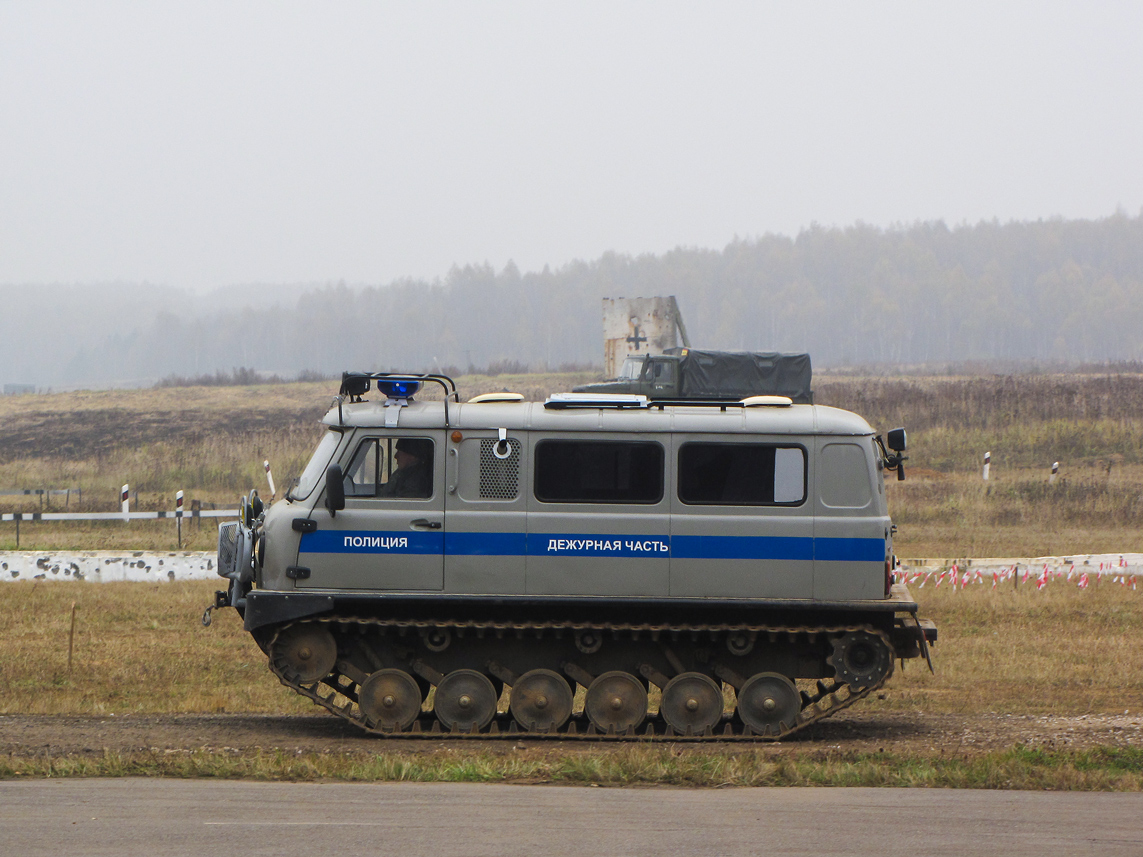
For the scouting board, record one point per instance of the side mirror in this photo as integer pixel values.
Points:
(256, 505)
(895, 439)
(334, 489)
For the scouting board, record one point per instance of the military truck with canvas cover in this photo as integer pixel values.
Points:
(688, 373)
(732, 560)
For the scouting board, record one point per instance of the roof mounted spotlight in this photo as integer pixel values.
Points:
(354, 384)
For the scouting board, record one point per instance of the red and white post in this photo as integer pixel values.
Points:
(179, 516)
(270, 479)
(125, 502)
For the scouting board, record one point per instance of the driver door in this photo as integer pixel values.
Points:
(380, 542)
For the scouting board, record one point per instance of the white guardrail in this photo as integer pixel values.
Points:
(178, 516)
(116, 516)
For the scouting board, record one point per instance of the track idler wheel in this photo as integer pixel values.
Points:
(616, 702)
(306, 651)
(465, 700)
(541, 701)
(861, 659)
(767, 702)
(691, 703)
(391, 699)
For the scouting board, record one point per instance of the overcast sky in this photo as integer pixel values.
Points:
(202, 144)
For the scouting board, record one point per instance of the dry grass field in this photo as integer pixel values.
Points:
(211, 441)
(1018, 656)
(139, 648)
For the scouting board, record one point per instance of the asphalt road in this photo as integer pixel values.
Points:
(129, 817)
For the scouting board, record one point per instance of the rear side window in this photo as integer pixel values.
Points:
(844, 477)
(599, 471)
(742, 474)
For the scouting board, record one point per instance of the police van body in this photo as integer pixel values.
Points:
(765, 502)
(600, 510)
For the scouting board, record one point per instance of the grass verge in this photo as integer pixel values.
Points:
(1096, 769)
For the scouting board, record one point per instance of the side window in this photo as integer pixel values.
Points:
(664, 372)
(393, 467)
(742, 474)
(843, 476)
(363, 473)
(599, 471)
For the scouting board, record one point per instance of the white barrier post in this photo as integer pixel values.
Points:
(125, 502)
(179, 516)
(987, 464)
(1055, 472)
(270, 479)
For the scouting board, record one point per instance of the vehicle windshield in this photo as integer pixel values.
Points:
(314, 470)
(631, 368)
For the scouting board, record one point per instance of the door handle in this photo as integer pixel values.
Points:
(425, 524)
(453, 466)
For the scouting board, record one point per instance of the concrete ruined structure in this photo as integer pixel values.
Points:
(639, 326)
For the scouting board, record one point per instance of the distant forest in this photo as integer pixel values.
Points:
(1045, 292)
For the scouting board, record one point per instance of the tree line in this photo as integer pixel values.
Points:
(1049, 291)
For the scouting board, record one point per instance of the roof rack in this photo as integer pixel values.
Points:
(621, 401)
(354, 385)
(562, 401)
(723, 404)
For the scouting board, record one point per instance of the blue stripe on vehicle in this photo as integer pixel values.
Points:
(742, 547)
(372, 541)
(849, 550)
(594, 545)
(588, 544)
(486, 544)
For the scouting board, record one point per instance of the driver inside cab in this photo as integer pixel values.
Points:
(413, 478)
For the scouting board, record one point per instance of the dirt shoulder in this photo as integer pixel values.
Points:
(902, 734)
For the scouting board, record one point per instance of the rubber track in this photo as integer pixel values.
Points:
(835, 697)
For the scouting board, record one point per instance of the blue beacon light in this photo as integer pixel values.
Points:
(399, 389)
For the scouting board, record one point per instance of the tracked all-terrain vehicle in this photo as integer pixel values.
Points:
(580, 562)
